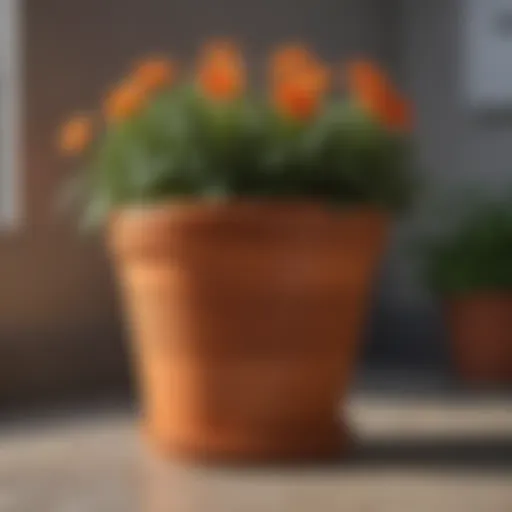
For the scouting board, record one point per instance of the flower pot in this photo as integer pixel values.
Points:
(480, 325)
(246, 319)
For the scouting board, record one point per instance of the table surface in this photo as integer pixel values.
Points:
(415, 454)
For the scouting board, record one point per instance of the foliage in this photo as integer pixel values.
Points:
(476, 255)
(212, 138)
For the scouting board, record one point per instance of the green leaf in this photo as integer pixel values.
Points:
(185, 144)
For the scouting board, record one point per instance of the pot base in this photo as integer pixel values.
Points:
(316, 446)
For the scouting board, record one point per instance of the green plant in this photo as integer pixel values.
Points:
(475, 255)
(210, 138)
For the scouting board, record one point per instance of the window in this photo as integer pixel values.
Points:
(488, 48)
(10, 85)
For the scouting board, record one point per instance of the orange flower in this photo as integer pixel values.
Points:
(124, 101)
(75, 135)
(288, 60)
(374, 91)
(300, 95)
(221, 72)
(155, 73)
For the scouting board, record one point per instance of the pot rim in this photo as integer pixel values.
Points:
(245, 204)
(145, 225)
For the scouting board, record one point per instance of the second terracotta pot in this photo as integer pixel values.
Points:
(480, 326)
(246, 319)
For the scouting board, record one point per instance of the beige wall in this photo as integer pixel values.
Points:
(59, 327)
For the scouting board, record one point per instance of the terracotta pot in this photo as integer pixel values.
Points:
(246, 319)
(480, 325)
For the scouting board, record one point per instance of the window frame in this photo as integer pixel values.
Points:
(10, 113)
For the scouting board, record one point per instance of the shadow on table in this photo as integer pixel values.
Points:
(469, 453)
(463, 454)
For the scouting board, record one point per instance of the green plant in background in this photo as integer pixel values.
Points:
(211, 137)
(476, 254)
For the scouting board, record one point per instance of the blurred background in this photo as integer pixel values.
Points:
(60, 328)
(62, 339)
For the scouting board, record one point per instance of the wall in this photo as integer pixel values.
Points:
(59, 323)
(457, 150)
(456, 143)
(408, 325)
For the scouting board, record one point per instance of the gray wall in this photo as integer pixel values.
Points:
(59, 323)
(458, 150)
(408, 321)
(456, 144)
